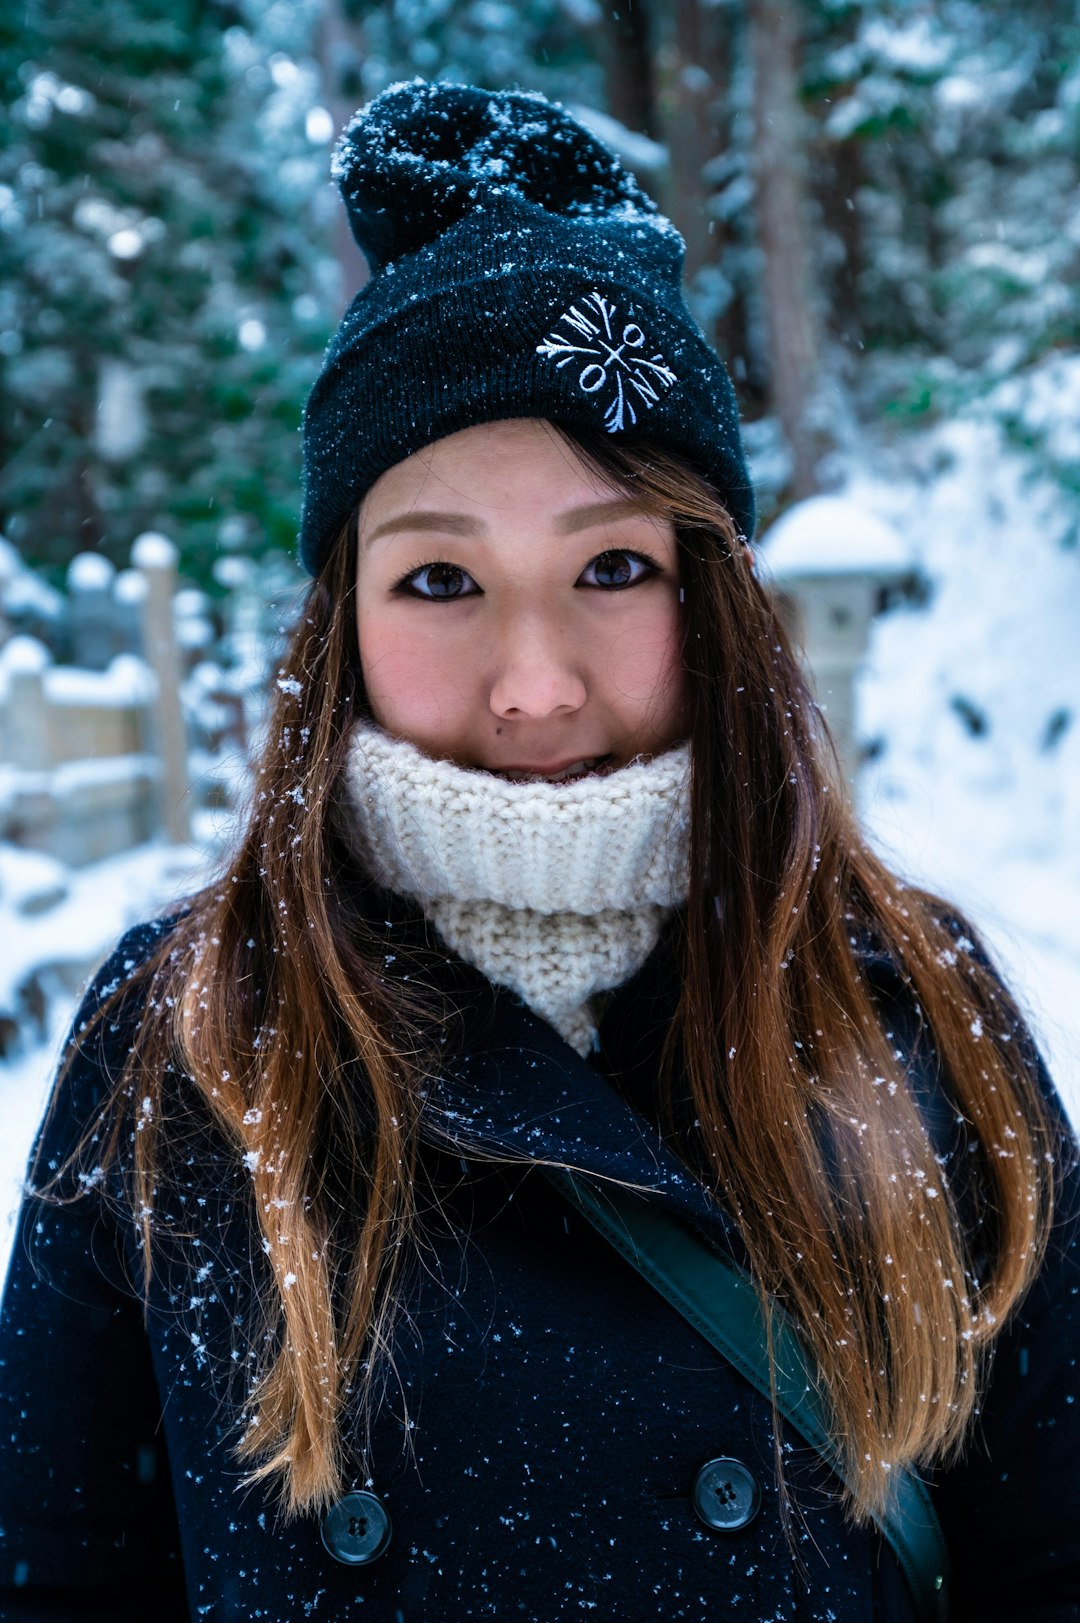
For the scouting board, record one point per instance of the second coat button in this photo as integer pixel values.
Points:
(357, 1529)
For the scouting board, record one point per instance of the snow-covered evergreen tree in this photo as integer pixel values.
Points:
(954, 234)
(164, 303)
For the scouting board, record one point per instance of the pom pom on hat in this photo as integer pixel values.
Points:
(422, 156)
(518, 270)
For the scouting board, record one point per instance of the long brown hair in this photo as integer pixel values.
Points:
(269, 993)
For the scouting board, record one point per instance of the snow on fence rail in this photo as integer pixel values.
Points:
(79, 780)
(93, 757)
(124, 718)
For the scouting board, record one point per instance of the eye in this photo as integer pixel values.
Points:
(438, 582)
(615, 570)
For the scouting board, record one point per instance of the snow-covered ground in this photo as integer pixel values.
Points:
(975, 703)
(972, 701)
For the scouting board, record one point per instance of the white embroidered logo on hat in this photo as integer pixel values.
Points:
(617, 369)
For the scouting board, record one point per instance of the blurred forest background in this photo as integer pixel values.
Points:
(878, 199)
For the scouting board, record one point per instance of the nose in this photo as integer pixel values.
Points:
(539, 674)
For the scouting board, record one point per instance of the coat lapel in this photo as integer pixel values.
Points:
(517, 1091)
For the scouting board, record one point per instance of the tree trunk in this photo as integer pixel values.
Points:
(780, 191)
(626, 52)
(339, 58)
(695, 73)
(842, 219)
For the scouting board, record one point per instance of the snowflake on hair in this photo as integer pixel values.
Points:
(614, 360)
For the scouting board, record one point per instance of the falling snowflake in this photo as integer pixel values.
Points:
(612, 355)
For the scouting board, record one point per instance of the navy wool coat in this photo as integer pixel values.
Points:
(538, 1440)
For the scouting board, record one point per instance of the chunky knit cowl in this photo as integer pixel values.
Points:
(555, 890)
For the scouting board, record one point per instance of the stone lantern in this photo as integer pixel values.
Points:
(833, 566)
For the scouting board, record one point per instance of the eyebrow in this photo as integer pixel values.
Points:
(576, 518)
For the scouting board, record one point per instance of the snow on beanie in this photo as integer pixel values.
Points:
(517, 271)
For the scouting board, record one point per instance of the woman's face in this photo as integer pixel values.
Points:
(515, 613)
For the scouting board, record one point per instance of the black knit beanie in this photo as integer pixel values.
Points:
(517, 271)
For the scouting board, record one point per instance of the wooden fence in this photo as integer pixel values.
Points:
(95, 760)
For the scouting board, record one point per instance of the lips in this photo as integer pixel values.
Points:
(564, 772)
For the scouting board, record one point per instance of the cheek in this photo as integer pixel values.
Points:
(416, 687)
(644, 670)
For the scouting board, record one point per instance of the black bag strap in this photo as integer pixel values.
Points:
(718, 1298)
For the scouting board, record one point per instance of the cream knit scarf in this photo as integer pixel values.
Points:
(556, 890)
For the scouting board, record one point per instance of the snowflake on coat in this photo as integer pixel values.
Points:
(616, 365)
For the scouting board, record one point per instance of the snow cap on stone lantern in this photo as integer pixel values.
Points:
(830, 561)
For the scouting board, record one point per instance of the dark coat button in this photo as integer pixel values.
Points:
(357, 1529)
(726, 1496)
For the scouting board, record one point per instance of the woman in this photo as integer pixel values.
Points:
(549, 907)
